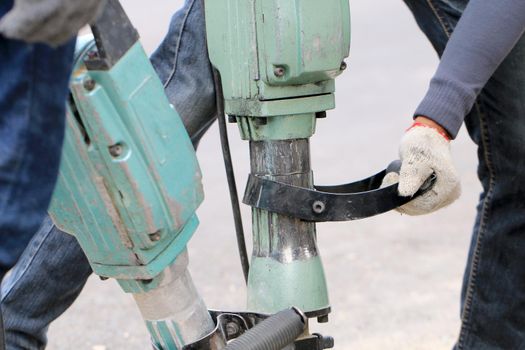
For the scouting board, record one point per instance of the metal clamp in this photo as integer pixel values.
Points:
(230, 326)
(352, 201)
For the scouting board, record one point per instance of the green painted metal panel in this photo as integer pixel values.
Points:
(277, 128)
(307, 38)
(129, 181)
(270, 50)
(274, 285)
(300, 105)
(232, 42)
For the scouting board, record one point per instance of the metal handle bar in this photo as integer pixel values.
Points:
(352, 201)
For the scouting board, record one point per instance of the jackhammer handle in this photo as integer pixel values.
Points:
(274, 333)
(395, 167)
(351, 201)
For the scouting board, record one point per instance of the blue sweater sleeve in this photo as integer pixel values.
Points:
(484, 36)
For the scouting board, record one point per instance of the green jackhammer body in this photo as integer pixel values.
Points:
(136, 198)
(130, 182)
(278, 60)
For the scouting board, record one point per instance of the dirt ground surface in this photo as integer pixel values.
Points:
(394, 280)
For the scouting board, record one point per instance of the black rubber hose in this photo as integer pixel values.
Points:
(274, 333)
(234, 197)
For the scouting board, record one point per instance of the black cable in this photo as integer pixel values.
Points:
(234, 197)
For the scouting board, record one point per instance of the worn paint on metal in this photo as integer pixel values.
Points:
(286, 269)
(284, 127)
(275, 286)
(132, 210)
(304, 40)
(278, 60)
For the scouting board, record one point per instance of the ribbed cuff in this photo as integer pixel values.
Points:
(447, 103)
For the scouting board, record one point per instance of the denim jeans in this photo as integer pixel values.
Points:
(53, 269)
(33, 89)
(493, 295)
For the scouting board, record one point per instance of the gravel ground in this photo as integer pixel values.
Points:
(394, 280)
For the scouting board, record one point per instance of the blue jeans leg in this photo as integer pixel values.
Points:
(182, 63)
(46, 280)
(54, 259)
(493, 294)
(33, 90)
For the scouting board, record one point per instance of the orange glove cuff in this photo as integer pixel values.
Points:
(445, 135)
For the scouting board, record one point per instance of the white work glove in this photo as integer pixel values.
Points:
(53, 22)
(423, 151)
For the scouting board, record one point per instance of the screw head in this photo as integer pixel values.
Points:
(279, 71)
(154, 237)
(232, 328)
(343, 66)
(89, 84)
(318, 207)
(116, 150)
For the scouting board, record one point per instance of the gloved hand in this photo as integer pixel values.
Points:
(424, 150)
(48, 21)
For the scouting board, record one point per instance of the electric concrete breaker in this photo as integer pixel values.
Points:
(130, 182)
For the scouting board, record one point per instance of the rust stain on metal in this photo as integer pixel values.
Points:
(137, 196)
(112, 211)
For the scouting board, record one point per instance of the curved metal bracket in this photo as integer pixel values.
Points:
(346, 202)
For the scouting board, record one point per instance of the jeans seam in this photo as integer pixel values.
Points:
(442, 20)
(472, 279)
(18, 165)
(28, 264)
(177, 46)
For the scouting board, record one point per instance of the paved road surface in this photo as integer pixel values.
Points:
(394, 280)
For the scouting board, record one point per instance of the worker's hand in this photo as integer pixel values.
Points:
(425, 149)
(48, 21)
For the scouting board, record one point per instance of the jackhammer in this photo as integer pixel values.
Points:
(130, 182)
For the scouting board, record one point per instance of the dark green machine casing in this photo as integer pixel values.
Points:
(277, 61)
